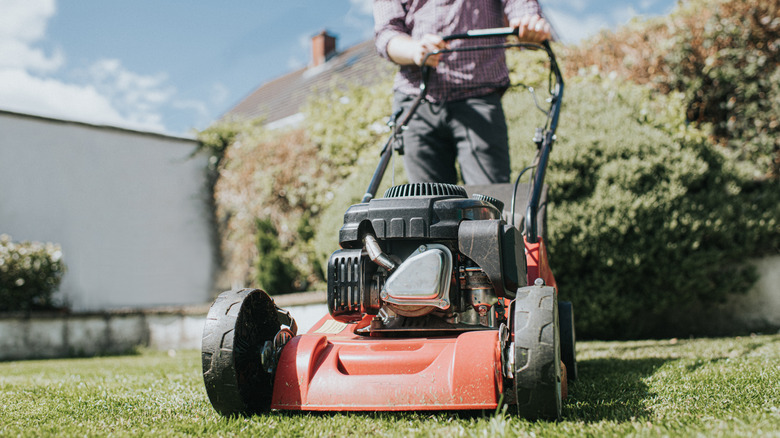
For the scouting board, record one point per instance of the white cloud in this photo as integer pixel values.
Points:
(139, 98)
(299, 59)
(105, 93)
(623, 15)
(361, 17)
(573, 28)
(130, 89)
(295, 63)
(365, 7)
(25, 20)
(220, 94)
(52, 98)
(15, 54)
(24, 86)
(23, 23)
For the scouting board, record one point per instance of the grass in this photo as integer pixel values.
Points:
(702, 387)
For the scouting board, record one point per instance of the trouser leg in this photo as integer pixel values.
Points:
(480, 132)
(429, 152)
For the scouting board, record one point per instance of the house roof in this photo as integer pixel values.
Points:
(283, 97)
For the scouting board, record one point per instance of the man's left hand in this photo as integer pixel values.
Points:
(532, 28)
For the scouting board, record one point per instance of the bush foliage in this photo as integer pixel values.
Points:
(649, 219)
(273, 271)
(30, 273)
(275, 179)
(724, 55)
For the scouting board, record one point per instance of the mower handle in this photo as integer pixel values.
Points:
(548, 138)
(484, 33)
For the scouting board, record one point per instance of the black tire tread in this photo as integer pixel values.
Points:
(537, 370)
(568, 339)
(237, 326)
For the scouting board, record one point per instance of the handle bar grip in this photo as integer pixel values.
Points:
(483, 33)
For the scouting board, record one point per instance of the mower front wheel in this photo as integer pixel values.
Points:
(238, 325)
(537, 353)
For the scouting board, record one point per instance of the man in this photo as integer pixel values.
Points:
(462, 118)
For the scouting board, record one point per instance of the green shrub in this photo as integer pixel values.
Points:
(648, 218)
(30, 273)
(215, 140)
(289, 177)
(728, 67)
(724, 55)
(349, 120)
(273, 271)
(277, 176)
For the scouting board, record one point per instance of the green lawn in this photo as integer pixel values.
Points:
(703, 387)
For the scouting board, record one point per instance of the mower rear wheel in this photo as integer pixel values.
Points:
(537, 355)
(237, 327)
(568, 339)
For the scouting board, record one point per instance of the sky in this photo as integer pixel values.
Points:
(176, 66)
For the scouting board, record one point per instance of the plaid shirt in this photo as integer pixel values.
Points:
(459, 75)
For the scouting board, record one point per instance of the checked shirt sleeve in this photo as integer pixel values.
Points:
(389, 21)
(520, 8)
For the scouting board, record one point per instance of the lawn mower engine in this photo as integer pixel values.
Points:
(425, 258)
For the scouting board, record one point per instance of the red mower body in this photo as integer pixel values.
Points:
(345, 371)
(331, 368)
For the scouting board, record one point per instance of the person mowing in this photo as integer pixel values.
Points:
(462, 118)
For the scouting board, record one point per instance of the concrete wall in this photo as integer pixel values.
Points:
(46, 336)
(128, 208)
(759, 308)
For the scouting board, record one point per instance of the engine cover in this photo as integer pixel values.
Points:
(423, 248)
(435, 217)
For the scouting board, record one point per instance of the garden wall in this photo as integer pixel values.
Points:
(130, 210)
(51, 335)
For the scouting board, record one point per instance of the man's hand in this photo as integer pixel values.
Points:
(532, 28)
(429, 43)
(404, 50)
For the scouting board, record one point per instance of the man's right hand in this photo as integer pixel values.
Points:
(405, 50)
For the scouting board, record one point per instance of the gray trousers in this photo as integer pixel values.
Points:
(472, 131)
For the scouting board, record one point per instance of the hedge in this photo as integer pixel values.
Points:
(648, 218)
(30, 273)
(723, 55)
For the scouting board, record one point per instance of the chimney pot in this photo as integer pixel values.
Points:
(323, 45)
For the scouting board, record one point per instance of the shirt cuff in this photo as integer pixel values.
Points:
(518, 9)
(383, 38)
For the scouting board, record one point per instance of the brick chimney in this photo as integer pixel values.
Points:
(323, 45)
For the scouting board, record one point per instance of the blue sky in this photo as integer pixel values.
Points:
(174, 66)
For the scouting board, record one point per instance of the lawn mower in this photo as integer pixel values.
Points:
(440, 298)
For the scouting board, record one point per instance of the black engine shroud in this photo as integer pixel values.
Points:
(487, 255)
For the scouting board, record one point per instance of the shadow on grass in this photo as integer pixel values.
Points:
(611, 389)
(607, 390)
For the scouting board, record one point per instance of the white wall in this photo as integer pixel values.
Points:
(128, 208)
